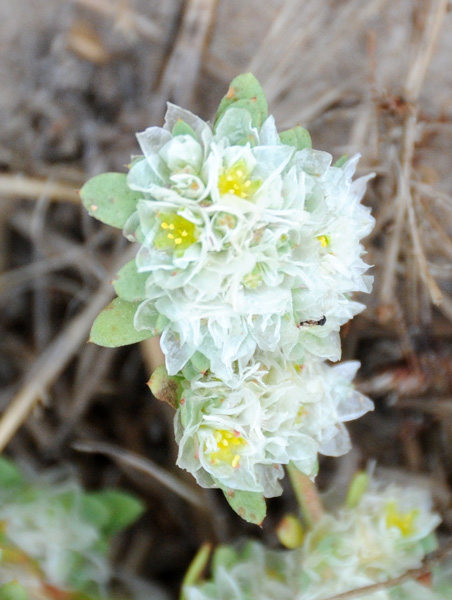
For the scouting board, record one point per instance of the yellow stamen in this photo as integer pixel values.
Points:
(183, 232)
(236, 181)
(403, 521)
(228, 444)
(324, 240)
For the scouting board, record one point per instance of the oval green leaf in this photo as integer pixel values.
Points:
(297, 136)
(114, 326)
(107, 198)
(122, 509)
(13, 590)
(167, 388)
(129, 284)
(250, 506)
(245, 92)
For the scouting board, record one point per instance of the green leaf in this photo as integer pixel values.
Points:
(197, 364)
(224, 556)
(297, 136)
(200, 362)
(197, 567)
(429, 543)
(357, 489)
(114, 327)
(250, 506)
(245, 92)
(121, 508)
(341, 161)
(10, 476)
(129, 284)
(167, 388)
(13, 591)
(306, 494)
(94, 510)
(182, 128)
(107, 198)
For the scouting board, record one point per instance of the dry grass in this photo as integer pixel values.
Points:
(78, 79)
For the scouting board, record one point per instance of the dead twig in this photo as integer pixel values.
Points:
(145, 466)
(184, 62)
(53, 360)
(32, 188)
(404, 201)
(125, 18)
(431, 561)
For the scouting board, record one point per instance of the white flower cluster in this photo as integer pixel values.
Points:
(255, 573)
(54, 537)
(250, 250)
(279, 413)
(46, 524)
(248, 246)
(387, 533)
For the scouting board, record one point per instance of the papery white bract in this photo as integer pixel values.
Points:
(249, 243)
(278, 413)
(389, 532)
(254, 573)
(46, 523)
(380, 538)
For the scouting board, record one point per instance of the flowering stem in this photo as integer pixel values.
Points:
(306, 494)
(196, 568)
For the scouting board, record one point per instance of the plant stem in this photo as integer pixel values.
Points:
(306, 494)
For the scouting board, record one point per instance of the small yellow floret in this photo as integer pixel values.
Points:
(228, 445)
(324, 241)
(236, 181)
(403, 521)
(183, 232)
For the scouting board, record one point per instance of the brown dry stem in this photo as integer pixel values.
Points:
(429, 563)
(53, 360)
(145, 466)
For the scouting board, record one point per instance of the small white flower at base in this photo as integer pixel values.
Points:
(279, 412)
(47, 525)
(387, 533)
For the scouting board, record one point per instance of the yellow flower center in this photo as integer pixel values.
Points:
(236, 181)
(174, 232)
(403, 521)
(229, 445)
(324, 240)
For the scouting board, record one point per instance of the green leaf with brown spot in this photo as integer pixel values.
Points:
(297, 136)
(108, 198)
(167, 388)
(129, 284)
(114, 326)
(245, 92)
(250, 506)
